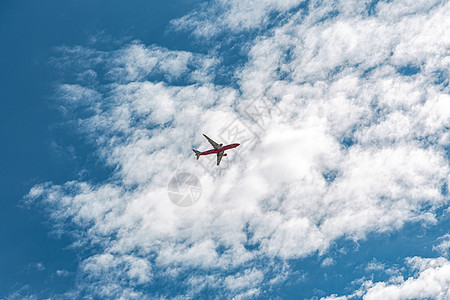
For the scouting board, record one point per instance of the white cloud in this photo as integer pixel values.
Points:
(22, 293)
(137, 63)
(399, 9)
(444, 245)
(131, 267)
(234, 15)
(74, 95)
(37, 266)
(376, 266)
(345, 111)
(329, 261)
(243, 281)
(430, 281)
(62, 273)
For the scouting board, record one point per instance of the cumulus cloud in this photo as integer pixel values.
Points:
(431, 280)
(349, 144)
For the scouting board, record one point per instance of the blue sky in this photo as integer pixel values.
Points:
(338, 190)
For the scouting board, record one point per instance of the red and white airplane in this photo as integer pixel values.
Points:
(218, 148)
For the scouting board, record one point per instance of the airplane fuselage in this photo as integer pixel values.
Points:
(220, 149)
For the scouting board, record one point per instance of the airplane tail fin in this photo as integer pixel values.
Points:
(197, 153)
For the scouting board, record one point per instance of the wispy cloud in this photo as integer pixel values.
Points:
(235, 16)
(444, 245)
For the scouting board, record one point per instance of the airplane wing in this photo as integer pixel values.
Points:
(214, 144)
(219, 157)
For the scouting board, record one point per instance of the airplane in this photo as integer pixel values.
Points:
(218, 148)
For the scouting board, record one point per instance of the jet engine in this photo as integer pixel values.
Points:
(224, 154)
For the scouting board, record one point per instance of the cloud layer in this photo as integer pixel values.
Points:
(345, 114)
